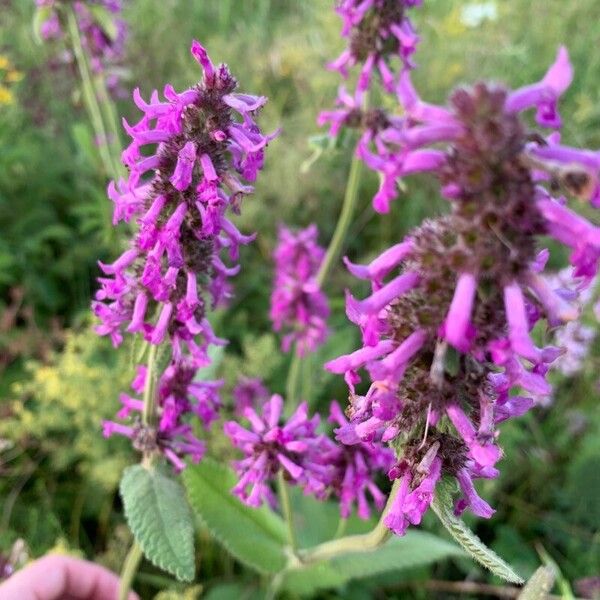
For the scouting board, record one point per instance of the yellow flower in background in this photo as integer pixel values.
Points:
(6, 96)
(8, 75)
(453, 25)
(14, 76)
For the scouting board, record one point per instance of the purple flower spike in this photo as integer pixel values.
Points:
(472, 279)
(293, 448)
(178, 263)
(298, 306)
(377, 31)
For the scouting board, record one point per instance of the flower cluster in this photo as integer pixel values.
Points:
(307, 459)
(294, 447)
(377, 31)
(447, 328)
(249, 392)
(105, 45)
(355, 467)
(173, 270)
(298, 306)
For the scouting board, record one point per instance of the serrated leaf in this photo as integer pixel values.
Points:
(160, 519)
(255, 536)
(539, 586)
(443, 508)
(415, 549)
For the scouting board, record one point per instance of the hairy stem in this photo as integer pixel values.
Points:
(341, 229)
(353, 543)
(130, 566)
(89, 94)
(149, 404)
(286, 508)
(291, 384)
(111, 121)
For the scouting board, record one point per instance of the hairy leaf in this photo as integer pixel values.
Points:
(539, 586)
(415, 549)
(255, 537)
(159, 517)
(443, 508)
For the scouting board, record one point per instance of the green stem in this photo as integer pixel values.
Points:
(353, 543)
(291, 385)
(286, 508)
(130, 566)
(341, 528)
(111, 121)
(343, 224)
(149, 407)
(89, 92)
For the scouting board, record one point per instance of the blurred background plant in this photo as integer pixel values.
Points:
(58, 381)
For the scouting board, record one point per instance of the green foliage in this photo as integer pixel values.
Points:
(256, 537)
(415, 549)
(59, 405)
(160, 519)
(539, 586)
(443, 508)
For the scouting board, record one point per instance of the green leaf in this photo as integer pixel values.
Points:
(443, 508)
(415, 549)
(105, 20)
(159, 517)
(539, 586)
(254, 536)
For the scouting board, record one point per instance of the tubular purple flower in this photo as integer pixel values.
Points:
(186, 159)
(365, 313)
(393, 365)
(518, 325)
(545, 94)
(377, 269)
(457, 324)
(471, 499)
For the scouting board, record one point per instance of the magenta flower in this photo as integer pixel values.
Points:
(355, 467)
(178, 395)
(294, 448)
(249, 392)
(298, 306)
(173, 270)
